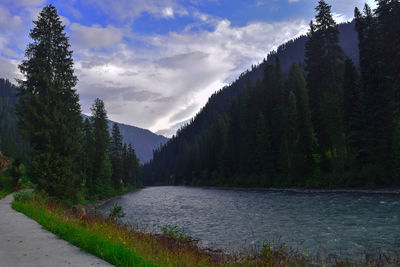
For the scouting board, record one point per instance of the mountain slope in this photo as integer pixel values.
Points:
(142, 140)
(159, 169)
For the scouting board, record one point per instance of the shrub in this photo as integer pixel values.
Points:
(176, 233)
(23, 196)
(116, 212)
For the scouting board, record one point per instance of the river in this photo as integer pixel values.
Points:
(344, 224)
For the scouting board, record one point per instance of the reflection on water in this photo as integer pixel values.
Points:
(238, 220)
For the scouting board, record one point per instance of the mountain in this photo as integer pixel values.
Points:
(142, 140)
(169, 161)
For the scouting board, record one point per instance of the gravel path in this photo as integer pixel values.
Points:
(23, 242)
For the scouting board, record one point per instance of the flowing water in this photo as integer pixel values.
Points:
(344, 224)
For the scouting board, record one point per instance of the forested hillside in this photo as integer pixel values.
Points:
(331, 120)
(11, 143)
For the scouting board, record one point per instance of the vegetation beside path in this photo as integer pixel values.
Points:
(123, 246)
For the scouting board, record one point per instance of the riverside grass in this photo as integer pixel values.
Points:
(106, 239)
(122, 246)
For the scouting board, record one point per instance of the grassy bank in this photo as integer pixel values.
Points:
(123, 246)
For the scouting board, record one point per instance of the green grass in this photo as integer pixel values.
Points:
(123, 246)
(8, 185)
(108, 240)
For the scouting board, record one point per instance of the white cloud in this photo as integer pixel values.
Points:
(293, 1)
(344, 9)
(130, 9)
(94, 36)
(26, 3)
(166, 81)
(167, 12)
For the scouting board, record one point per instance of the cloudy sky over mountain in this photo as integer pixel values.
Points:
(156, 62)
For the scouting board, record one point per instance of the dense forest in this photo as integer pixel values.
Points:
(330, 121)
(11, 142)
(69, 159)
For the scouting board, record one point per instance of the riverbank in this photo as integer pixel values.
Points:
(124, 246)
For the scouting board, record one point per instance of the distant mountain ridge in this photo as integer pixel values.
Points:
(142, 140)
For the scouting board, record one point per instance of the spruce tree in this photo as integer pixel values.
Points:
(377, 99)
(49, 110)
(102, 169)
(388, 16)
(133, 167)
(303, 162)
(325, 68)
(116, 154)
(87, 155)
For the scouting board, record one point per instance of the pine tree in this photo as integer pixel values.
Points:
(49, 110)
(133, 167)
(377, 98)
(325, 67)
(388, 14)
(87, 155)
(303, 163)
(263, 151)
(102, 169)
(351, 99)
(116, 153)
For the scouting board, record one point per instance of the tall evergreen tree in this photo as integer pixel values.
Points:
(116, 153)
(102, 169)
(376, 96)
(303, 163)
(133, 167)
(49, 110)
(87, 155)
(388, 14)
(325, 67)
(351, 102)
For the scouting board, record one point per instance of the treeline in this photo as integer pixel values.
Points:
(327, 123)
(69, 159)
(108, 166)
(11, 142)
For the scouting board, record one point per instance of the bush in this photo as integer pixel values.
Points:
(116, 212)
(23, 196)
(176, 233)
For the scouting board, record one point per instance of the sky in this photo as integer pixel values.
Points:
(156, 62)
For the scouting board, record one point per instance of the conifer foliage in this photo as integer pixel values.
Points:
(48, 108)
(68, 158)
